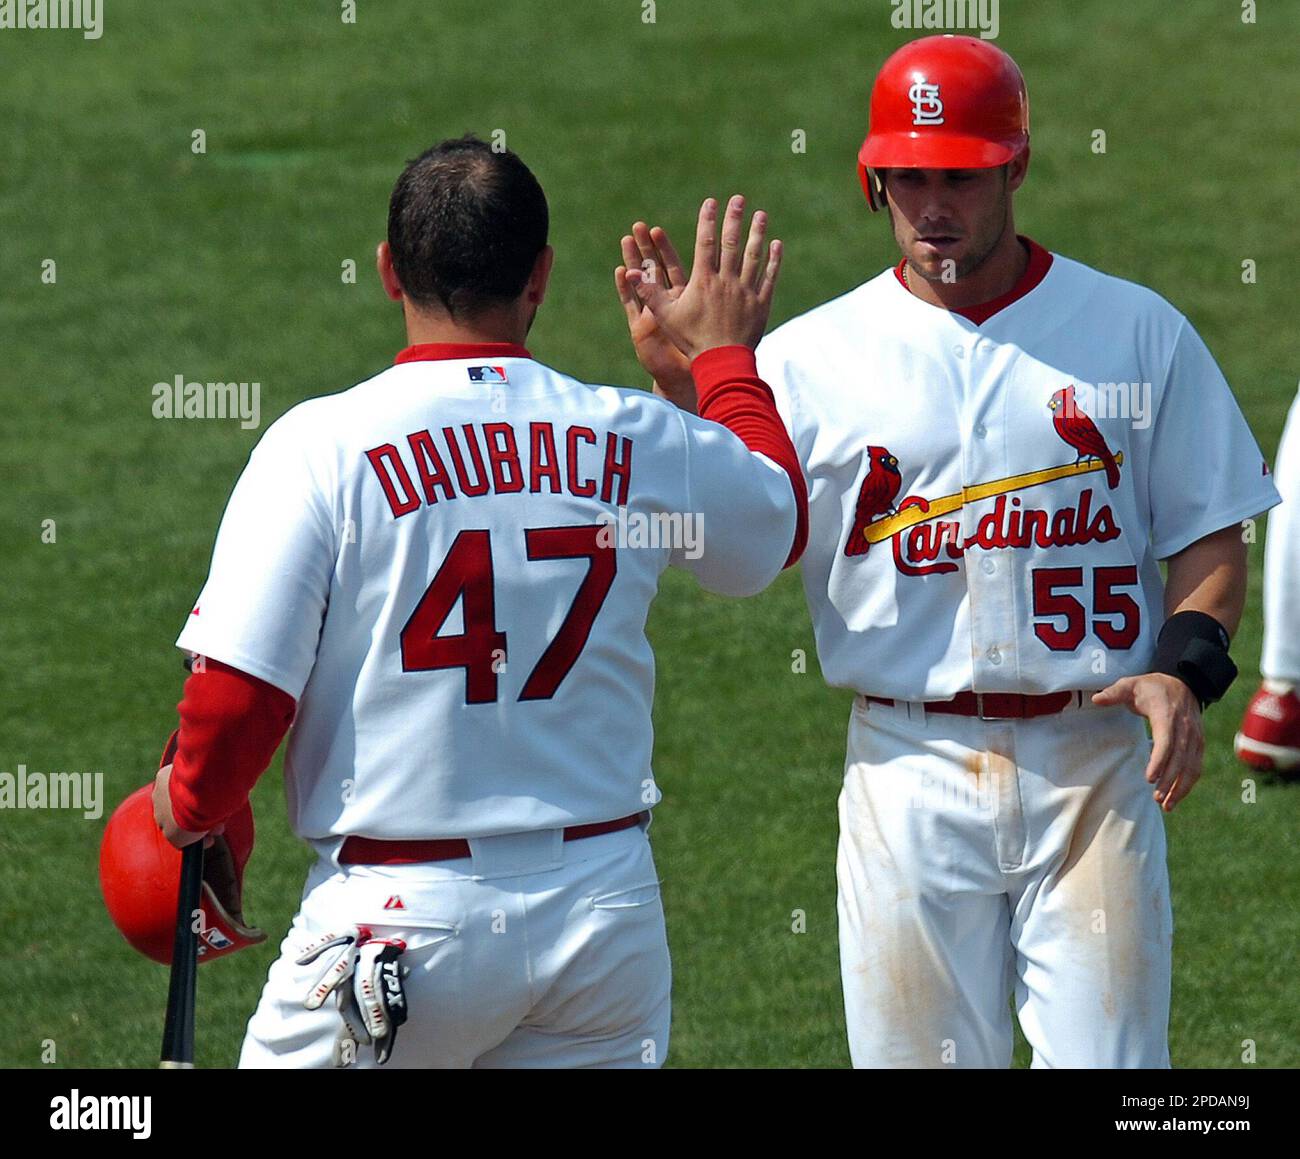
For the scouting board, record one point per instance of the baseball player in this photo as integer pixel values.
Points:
(1001, 446)
(441, 577)
(1269, 738)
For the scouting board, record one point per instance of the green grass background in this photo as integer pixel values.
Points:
(226, 266)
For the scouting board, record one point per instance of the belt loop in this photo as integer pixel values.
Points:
(916, 712)
(328, 850)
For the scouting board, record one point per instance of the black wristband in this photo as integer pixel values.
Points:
(1193, 646)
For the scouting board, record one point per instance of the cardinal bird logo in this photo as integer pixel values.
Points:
(1077, 428)
(875, 498)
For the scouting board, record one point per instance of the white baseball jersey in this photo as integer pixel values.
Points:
(987, 503)
(449, 566)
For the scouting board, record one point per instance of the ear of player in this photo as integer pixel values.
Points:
(944, 102)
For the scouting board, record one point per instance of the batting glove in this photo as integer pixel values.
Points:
(365, 976)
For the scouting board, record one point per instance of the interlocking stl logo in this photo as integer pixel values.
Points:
(927, 108)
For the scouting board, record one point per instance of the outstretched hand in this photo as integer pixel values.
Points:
(651, 249)
(1177, 737)
(728, 297)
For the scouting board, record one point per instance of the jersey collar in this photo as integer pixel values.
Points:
(441, 351)
(1040, 261)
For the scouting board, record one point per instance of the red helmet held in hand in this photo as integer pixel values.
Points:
(944, 102)
(140, 876)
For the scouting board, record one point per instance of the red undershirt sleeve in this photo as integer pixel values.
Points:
(231, 725)
(731, 392)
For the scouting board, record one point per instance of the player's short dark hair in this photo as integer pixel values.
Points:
(465, 226)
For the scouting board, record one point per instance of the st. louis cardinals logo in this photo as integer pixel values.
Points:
(1078, 429)
(875, 497)
(927, 108)
(920, 534)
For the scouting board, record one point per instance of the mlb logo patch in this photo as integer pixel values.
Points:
(487, 374)
(216, 939)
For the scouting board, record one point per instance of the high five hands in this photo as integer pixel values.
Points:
(725, 302)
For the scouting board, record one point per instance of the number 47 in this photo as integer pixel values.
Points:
(466, 574)
(1106, 601)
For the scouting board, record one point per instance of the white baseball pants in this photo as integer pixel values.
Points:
(534, 952)
(1281, 656)
(981, 858)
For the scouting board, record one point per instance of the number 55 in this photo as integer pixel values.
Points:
(1106, 601)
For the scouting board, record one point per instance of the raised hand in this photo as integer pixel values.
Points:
(651, 250)
(728, 298)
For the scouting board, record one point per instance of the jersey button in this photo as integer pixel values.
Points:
(989, 566)
(980, 430)
(960, 351)
(995, 657)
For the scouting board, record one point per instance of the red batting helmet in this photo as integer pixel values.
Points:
(140, 875)
(944, 102)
